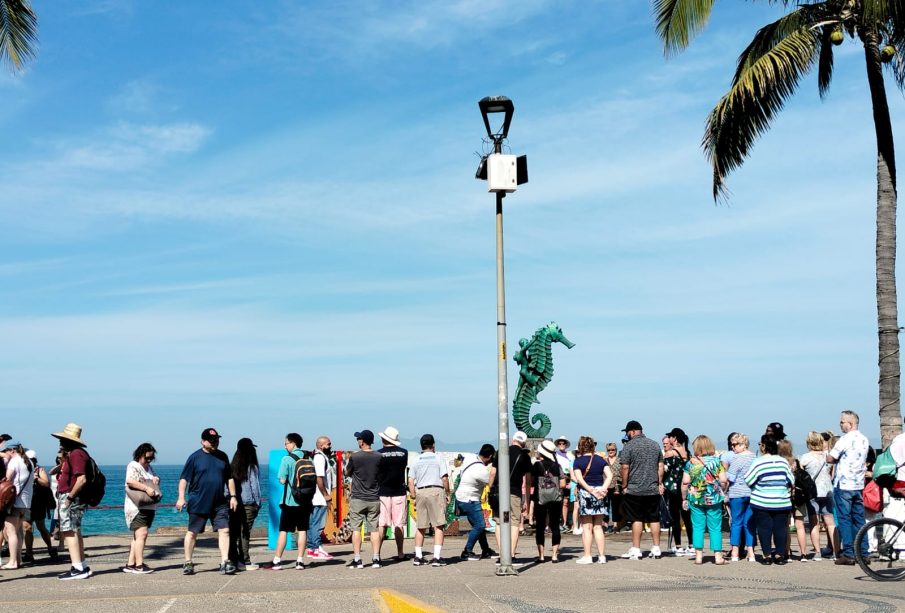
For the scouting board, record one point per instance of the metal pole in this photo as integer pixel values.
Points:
(503, 526)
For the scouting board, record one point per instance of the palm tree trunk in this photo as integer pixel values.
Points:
(887, 306)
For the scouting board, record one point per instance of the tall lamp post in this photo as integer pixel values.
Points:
(502, 173)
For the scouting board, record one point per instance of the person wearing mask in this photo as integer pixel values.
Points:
(322, 497)
(593, 475)
(21, 473)
(473, 478)
(771, 481)
(741, 532)
(564, 459)
(675, 456)
(703, 483)
(814, 462)
(247, 476)
(140, 477)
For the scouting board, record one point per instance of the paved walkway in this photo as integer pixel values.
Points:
(646, 585)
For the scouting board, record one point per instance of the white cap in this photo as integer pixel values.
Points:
(519, 437)
(30, 454)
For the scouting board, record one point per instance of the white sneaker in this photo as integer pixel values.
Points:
(677, 551)
(655, 552)
(632, 554)
(585, 560)
(323, 554)
(601, 559)
(576, 531)
(690, 552)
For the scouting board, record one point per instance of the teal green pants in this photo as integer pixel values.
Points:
(709, 519)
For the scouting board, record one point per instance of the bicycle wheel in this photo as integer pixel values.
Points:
(889, 561)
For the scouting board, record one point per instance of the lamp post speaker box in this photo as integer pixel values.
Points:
(502, 173)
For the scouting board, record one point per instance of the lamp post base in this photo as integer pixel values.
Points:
(506, 571)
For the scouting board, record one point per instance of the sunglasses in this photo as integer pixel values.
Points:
(150, 458)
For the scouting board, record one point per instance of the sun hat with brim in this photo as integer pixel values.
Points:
(547, 449)
(562, 438)
(71, 432)
(390, 435)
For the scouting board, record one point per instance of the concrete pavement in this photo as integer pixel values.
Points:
(646, 585)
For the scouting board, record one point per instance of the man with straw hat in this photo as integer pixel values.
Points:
(72, 478)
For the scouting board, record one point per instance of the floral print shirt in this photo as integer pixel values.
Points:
(705, 489)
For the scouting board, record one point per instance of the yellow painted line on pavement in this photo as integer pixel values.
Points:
(391, 601)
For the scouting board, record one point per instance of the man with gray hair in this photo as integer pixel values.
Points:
(850, 457)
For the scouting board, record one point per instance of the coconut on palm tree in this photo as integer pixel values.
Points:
(18, 33)
(768, 73)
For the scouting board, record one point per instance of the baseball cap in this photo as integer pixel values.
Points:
(245, 443)
(7, 445)
(778, 431)
(210, 434)
(366, 435)
(519, 437)
(632, 425)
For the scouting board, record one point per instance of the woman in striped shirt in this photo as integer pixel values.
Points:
(741, 532)
(771, 481)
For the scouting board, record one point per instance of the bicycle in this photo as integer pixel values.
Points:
(888, 563)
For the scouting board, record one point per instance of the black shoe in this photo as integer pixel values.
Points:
(780, 560)
(469, 556)
(416, 561)
(489, 554)
(766, 561)
(227, 568)
(75, 574)
(438, 562)
(188, 568)
(844, 561)
(355, 564)
(375, 563)
(144, 569)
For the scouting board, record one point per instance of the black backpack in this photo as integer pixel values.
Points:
(805, 488)
(95, 484)
(303, 483)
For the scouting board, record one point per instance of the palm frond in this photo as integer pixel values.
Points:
(18, 32)
(825, 62)
(769, 71)
(678, 21)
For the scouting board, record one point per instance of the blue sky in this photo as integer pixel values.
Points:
(263, 217)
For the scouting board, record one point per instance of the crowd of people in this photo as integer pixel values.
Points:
(647, 487)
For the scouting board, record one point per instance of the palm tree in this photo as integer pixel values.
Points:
(18, 33)
(768, 73)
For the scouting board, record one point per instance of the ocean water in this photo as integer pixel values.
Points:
(109, 518)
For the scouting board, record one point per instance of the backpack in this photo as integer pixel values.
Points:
(304, 480)
(548, 490)
(805, 488)
(95, 484)
(886, 469)
(7, 495)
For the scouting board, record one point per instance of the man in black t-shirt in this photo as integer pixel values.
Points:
(392, 488)
(519, 485)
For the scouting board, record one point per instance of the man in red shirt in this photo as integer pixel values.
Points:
(70, 482)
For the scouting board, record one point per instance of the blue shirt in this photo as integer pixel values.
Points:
(206, 474)
(285, 475)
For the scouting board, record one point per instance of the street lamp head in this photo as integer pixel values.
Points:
(497, 104)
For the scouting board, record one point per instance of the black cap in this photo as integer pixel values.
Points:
(245, 443)
(366, 435)
(210, 435)
(632, 425)
(678, 434)
(778, 431)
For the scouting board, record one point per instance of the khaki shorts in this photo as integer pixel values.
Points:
(430, 506)
(515, 509)
(364, 512)
(393, 512)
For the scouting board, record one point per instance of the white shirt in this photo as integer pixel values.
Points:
(814, 462)
(898, 454)
(322, 469)
(850, 453)
(22, 478)
(475, 476)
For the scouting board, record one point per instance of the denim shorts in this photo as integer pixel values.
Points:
(822, 505)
